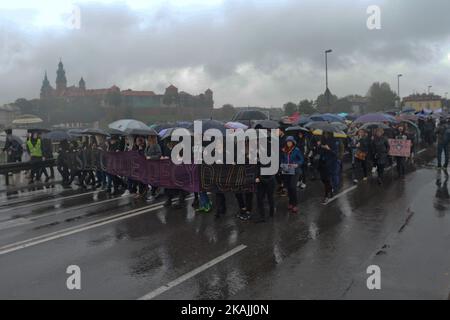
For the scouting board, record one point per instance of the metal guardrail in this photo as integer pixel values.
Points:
(15, 167)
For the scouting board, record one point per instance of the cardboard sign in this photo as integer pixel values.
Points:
(399, 148)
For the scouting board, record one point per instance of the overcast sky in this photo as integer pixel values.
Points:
(248, 52)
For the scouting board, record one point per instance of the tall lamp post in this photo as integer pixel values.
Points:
(429, 87)
(327, 91)
(398, 91)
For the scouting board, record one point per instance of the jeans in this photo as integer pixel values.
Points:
(336, 175)
(265, 188)
(442, 148)
(290, 183)
(203, 199)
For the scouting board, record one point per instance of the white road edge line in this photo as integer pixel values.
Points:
(192, 273)
(76, 229)
(31, 218)
(48, 200)
(356, 186)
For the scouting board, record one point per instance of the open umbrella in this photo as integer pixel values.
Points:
(27, 119)
(15, 138)
(374, 125)
(96, 132)
(57, 135)
(266, 124)
(340, 125)
(297, 129)
(125, 125)
(76, 132)
(322, 125)
(115, 132)
(167, 133)
(210, 124)
(141, 132)
(339, 134)
(375, 117)
(235, 125)
(407, 116)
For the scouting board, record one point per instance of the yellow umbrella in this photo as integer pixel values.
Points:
(319, 132)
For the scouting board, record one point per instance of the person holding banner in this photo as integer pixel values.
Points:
(401, 135)
(153, 152)
(380, 148)
(291, 162)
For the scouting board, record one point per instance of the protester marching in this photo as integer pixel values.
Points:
(133, 159)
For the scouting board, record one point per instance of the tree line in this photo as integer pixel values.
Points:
(379, 97)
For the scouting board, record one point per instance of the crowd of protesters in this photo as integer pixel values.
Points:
(303, 157)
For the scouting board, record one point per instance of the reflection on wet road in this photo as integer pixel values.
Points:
(130, 249)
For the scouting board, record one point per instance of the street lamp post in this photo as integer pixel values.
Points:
(429, 87)
(327, 95)
(398, 91)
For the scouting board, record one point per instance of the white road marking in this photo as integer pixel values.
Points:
(341, 194)
(192, 273)
(421, 151)
(22, 220)
(32, 204)
(354, 187)
(76, 229)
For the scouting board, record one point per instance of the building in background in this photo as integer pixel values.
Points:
(423, 101)
(128, 98)
(8, 113)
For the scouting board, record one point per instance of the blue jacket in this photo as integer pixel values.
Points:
(294, 157)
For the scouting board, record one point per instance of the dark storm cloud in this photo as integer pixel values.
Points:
(249, 52)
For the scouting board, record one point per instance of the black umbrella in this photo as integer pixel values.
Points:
(298, 128)
(141, 132)
(210, 124)
(39, 130)
(324, 126)
(96, 132)
(167, 133)
(115, 132)
(57, 135)
(266, 124)
(249, 115)
(76, 132)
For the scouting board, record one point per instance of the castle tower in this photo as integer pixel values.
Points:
(61, 81)
(46, 88)
(209, 98)
(82, 84)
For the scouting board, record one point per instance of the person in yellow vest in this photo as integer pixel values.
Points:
(34, 147)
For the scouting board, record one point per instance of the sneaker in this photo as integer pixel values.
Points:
(195, 203)
(168, 203)
(325, 201)
(299, 184)
(126, 193)
(355, 181)
(302, 185)
(365, 179)
(150, 198)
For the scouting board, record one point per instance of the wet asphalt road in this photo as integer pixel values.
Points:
(128, 249)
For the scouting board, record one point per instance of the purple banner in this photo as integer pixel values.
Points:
(162, 173)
